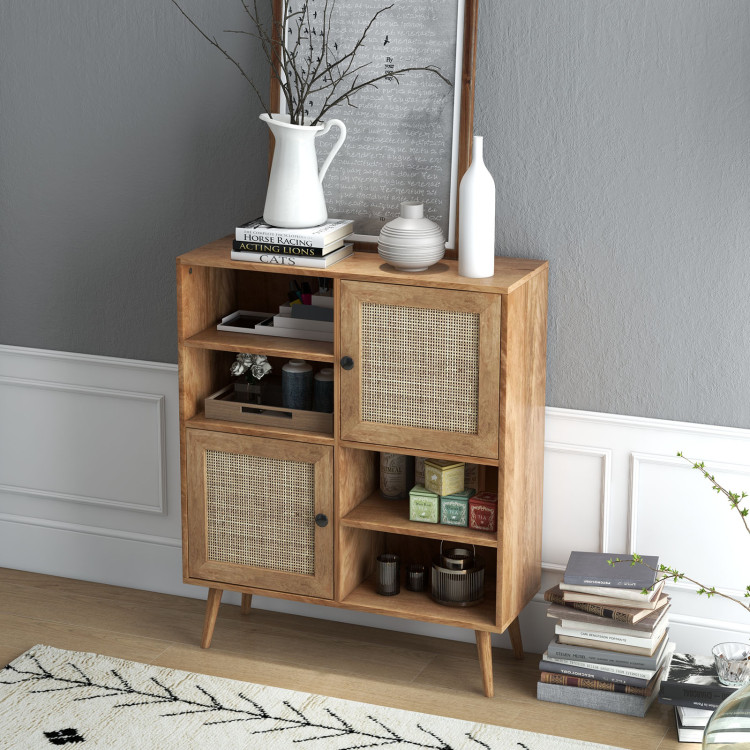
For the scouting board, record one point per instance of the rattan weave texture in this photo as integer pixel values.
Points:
(261, 512)
(420, 367)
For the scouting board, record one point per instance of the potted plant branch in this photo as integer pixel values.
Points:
(315, 72)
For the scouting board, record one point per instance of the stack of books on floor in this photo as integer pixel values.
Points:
(310, 247)
(611, 640)
(692, 686)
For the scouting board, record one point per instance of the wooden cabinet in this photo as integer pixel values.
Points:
(429, 364)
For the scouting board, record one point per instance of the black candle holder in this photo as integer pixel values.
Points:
(416, 577)
(388, 575)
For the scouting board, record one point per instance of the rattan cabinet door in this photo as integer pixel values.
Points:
(252, 508)
(426, 368)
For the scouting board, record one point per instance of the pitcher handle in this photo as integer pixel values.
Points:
(336, 146)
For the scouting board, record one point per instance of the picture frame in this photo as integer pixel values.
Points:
(371, 194)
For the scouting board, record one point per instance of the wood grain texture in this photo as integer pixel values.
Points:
(246, 604)
(523, 373)
(484, 462)
(201, 422)
(321, 583)
(392, 516)
(353, 428)
(514, 631)
(212, 610)
(509, 272)
(252, 343)
(484, 651)
(466, 121)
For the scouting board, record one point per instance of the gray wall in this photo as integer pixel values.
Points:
(617, 133)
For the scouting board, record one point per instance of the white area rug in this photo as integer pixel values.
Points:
(53, 698)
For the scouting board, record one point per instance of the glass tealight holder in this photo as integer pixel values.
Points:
(388, 575)
(732, 662)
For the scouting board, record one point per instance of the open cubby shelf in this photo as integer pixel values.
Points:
(392, 516)
(419, 606)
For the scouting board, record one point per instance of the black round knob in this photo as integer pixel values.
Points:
(321, 519)
(347, 363)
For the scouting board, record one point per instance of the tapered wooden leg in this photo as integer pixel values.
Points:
(212, 609)
(514, 631)
(484, 649)
(247, 603)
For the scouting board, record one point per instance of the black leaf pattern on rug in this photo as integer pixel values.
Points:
(244, 710)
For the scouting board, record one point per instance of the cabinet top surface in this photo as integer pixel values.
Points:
(509, 272)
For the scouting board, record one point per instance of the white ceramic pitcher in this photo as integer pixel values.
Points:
(295, 186)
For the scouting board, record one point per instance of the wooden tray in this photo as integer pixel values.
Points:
(224, 405)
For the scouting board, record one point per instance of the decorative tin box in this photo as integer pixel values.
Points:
(483, 512)
(443, 477)
(419, 470)
(423, 505)
(454, 509)
(471, 475)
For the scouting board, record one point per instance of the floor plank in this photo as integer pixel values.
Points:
(386, 668)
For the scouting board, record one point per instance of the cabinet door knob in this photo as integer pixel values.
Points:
(321, 519)
(347, 363)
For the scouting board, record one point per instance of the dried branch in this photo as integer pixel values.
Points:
(304, 67)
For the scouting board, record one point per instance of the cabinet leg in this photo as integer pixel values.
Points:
(212, 610)
(514, 631)
(247, 603)
(484, 649)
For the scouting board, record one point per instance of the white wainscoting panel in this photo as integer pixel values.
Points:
(612, 483)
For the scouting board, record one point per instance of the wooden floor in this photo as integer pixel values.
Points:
(366, 664)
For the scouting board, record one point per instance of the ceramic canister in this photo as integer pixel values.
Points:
(323, 390)
(297, 384)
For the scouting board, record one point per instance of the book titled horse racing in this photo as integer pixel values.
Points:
(320, 236)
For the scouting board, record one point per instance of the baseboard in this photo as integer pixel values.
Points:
(612, 483)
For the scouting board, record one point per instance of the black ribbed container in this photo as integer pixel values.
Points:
(388, 575)
(416, 577)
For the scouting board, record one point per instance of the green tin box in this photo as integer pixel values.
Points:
(424, 505)
(454, 509)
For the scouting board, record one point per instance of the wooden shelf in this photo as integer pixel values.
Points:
(414, 605)
(417, 452)
(392, 516)
(201, 422)
(273, 346)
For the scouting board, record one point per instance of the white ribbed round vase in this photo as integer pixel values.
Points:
(476, 230)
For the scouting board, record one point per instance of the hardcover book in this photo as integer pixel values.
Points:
(612, 597)
(593, 569)
(693, 678)
(642, 675)
(640, 640)
(258, 231)
(615, 613)
(577, 652)
(601, 674)
(293, 260)
(645, 625)
(600, 700)
(688, 733)
(552, 678)
(623, 648)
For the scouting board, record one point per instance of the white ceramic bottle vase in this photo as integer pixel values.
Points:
(476, 232)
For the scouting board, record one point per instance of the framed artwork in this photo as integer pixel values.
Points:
(407, 139)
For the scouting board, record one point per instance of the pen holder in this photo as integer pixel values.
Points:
(388, 575)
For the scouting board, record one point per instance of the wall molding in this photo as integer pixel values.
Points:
(156, 400)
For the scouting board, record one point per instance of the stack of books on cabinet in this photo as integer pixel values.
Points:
(692, 686)
(611, 640)
(306, 247)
